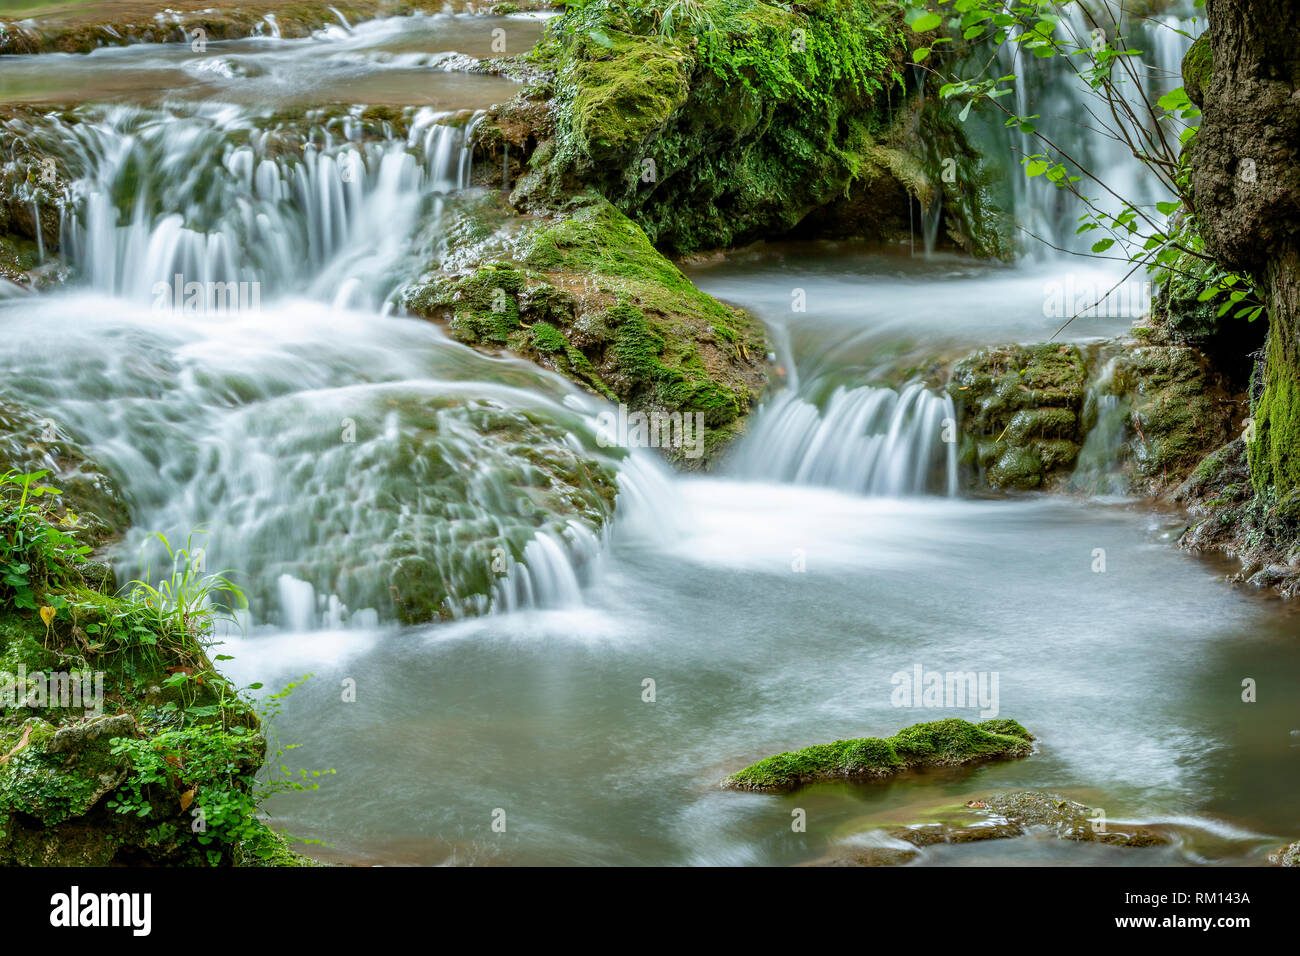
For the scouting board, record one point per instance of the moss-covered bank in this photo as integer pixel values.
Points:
(940, 743)
(120, 742)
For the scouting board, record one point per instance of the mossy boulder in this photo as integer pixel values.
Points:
(717, 122)
(941, 743)
(1178, 411)
(1020, 408)
(584, 293)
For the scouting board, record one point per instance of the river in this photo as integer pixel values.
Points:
(770, 601)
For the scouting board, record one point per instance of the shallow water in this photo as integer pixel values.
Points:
(394, 62)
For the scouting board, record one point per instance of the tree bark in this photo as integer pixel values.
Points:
(1245, 177)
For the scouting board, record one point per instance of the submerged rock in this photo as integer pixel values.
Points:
(1288, 855)
(1068, 819)
(1003, 816)
(941, 743)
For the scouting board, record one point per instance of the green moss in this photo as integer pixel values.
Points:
(586, 294)
(1198, 66)
(1275, 452)
(950, 742)
(734, 120)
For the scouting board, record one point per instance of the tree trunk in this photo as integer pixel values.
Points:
(1245, 174)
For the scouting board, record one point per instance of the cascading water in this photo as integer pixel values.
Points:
(866, 440)
(1051, 89)
(210, 198)
(334, 457)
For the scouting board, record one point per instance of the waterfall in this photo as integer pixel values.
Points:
(209, 199)
(1050, 88)
(867, 440)
(1099, 469)
(332, 455)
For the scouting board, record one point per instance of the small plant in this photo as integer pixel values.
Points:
(33, 553)
(690, 16)
(187, 601)
(200, 783)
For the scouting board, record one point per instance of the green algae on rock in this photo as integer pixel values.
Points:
(1019, 408)
(585, 294)
(941, 743)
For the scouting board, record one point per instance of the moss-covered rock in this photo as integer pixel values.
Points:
(1019, 408)
(1178, 411)
(119, 741)
(941, 743)
(585, 294)
(715, 122)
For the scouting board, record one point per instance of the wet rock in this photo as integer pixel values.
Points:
(79, 736)
(1288, 855)
(1178, 411)
(1019, 408)
(91, 501)
(1069, 820)
(941, 743)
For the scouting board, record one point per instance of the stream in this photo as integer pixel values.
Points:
(770, 602)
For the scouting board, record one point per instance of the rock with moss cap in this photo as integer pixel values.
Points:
(942, 743)
(722, 121)
(585, 294)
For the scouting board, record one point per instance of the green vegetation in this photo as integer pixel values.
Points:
(715, 122)
(135, 749)
(941, 743)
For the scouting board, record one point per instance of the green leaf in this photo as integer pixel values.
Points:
(1102, 245)
(926, 21)
(920, 53)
